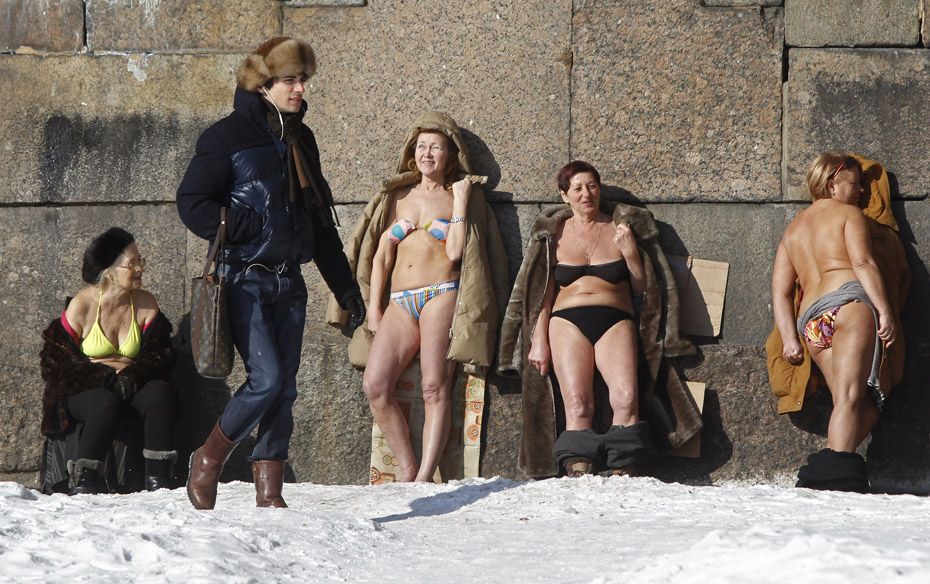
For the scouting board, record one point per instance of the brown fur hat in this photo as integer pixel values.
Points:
(276, 57)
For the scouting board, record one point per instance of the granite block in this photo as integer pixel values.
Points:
(114, 128)
(672, 124)
(875, 102)
(55, 26)
(716, 232)
(743, 439)
(20, 418)
(500, 70)
(172, 25)
(914, 221)
(852, 23)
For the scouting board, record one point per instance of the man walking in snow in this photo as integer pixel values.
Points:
(262, 164)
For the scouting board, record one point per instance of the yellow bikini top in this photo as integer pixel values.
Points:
(96, 344)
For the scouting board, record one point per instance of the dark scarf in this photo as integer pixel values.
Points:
(304, 191)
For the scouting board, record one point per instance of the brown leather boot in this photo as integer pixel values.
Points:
(269, 478)
(206, 464)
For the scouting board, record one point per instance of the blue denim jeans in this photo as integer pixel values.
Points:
(267, 311)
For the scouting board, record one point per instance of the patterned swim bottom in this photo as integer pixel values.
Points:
(413, 301)
(818, 332)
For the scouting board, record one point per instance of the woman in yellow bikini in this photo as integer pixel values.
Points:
(109, 350)
(845, 317)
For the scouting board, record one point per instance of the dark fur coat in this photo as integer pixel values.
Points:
(664, 400)
(67, 371)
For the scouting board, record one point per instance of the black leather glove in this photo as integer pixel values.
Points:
(356, 307)
(123, 386)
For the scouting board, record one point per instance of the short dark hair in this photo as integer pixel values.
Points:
(571, 169)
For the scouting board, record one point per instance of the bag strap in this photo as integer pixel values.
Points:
(217, 243)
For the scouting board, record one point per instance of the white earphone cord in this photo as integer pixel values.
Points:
(280, 118)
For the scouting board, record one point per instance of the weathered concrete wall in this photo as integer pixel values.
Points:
(702, 110)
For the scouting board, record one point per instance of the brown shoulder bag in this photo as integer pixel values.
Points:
(211, 339)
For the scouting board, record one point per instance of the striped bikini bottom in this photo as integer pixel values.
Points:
(413, 301)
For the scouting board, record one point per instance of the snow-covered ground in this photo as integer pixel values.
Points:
(622, 529)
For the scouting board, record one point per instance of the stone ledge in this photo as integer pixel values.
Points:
(740, 3)
(321, 3)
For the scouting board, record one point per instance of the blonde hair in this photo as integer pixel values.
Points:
(452, 169)
(823, 169)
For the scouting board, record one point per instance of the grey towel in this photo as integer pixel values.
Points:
(849, 292)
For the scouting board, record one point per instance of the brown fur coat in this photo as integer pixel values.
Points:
(664, 400)
(67, 371)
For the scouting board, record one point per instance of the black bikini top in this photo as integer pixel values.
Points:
(613, 272)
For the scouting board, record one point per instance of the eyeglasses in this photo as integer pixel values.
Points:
(848, 163)
(135, 266)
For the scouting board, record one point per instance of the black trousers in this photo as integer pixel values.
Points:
(101, 412)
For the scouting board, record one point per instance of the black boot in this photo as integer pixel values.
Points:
(159, 469)
(85, 478)
(829, 470)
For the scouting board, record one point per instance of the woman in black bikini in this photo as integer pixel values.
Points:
(586, 322)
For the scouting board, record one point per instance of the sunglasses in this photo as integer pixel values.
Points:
(850, 162)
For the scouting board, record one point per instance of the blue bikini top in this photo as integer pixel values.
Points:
(438, 228)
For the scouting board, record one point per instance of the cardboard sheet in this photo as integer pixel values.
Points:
(702, 285)
(692, 448)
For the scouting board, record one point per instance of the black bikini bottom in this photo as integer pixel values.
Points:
(593, 321)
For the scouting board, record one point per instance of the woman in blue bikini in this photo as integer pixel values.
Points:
(418, 260)
(586, 321)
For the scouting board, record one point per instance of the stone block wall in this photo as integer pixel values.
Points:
(705, 111)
